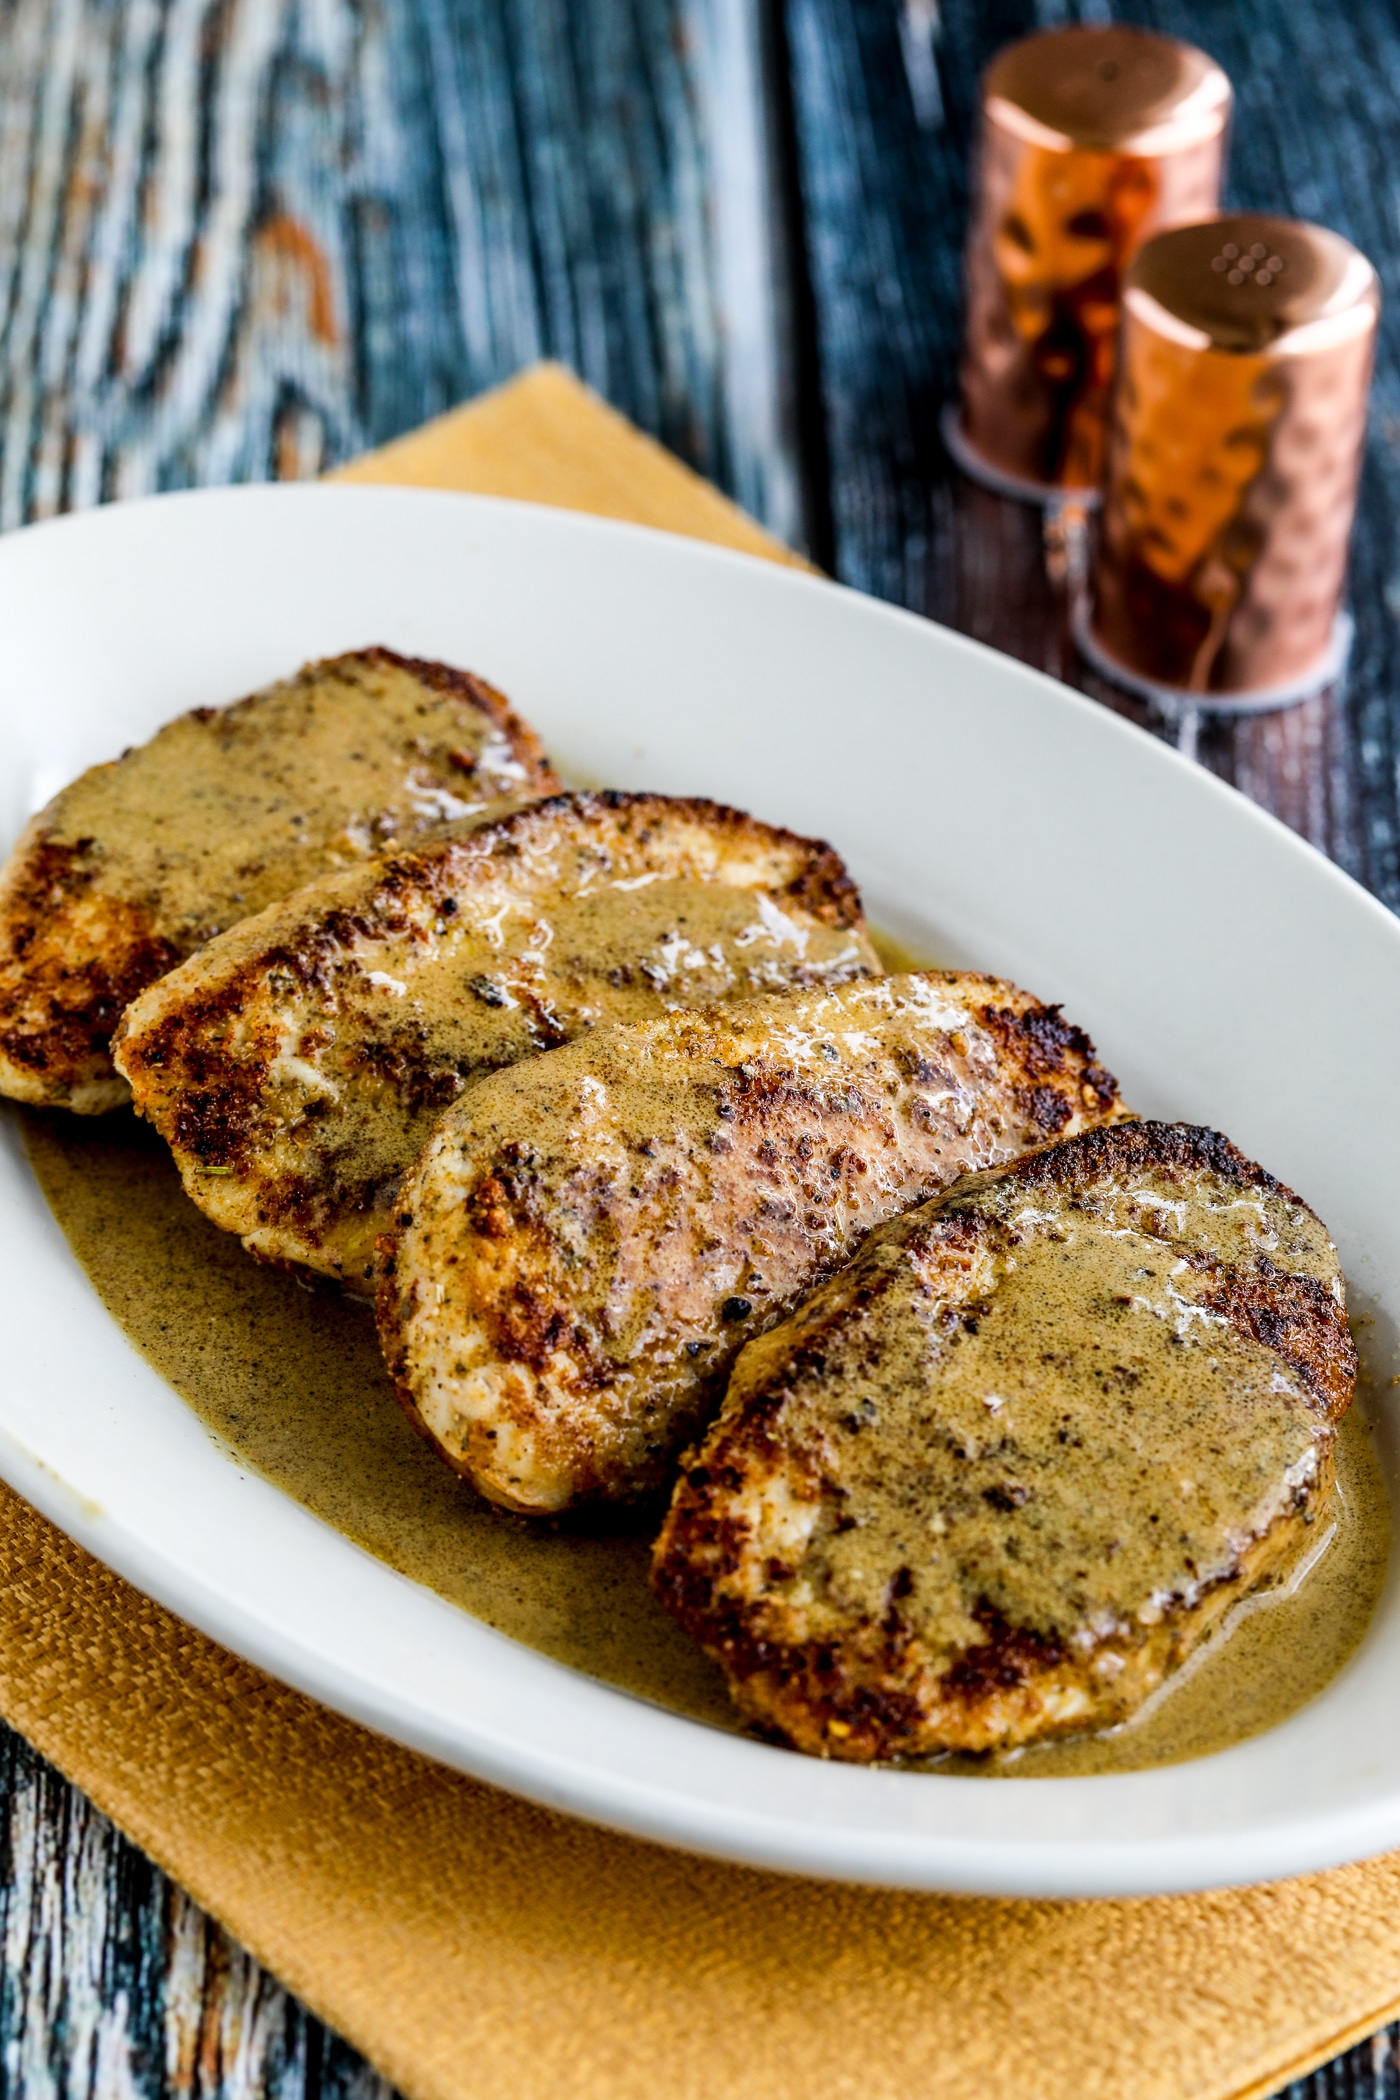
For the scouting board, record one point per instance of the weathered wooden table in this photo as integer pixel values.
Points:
(248, 238)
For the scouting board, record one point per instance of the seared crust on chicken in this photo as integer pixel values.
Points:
(136, 863)
(998, 1477)
(297, 1064)
(589, 1238)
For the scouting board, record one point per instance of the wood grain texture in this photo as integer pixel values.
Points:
(114, 1986)
(883, 168)
(1370, 2072)
(246, 238)
(883, 100)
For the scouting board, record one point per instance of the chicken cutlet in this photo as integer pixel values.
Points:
(297, 1064)
(999, 1476)
(590, 1238)
(138, 862)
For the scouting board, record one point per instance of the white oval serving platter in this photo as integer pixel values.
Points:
(1229, 975)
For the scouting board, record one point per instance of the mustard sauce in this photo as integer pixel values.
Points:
(289, 1379)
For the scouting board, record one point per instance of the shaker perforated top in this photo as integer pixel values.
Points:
(1250, 283)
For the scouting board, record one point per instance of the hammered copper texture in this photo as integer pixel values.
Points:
(1238, 426)
(1057, 219)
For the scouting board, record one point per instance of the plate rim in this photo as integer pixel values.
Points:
(1168, 1864)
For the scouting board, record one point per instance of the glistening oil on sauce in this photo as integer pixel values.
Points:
(291, 1379)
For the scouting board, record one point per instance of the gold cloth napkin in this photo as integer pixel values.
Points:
(476, 1948)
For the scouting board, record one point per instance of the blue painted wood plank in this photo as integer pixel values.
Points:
(245, 238)
(883, 160)
(248, 237)
(883, 111)
(114, 1986)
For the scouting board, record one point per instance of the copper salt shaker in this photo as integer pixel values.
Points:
(1238, 426)
(1092, 140)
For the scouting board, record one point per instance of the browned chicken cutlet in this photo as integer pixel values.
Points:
(297, 1064)
(135, 864)
(998, 1477)
(590, 1238)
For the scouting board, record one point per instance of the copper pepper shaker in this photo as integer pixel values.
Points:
(1092, 140)
(1239, 420)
